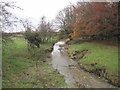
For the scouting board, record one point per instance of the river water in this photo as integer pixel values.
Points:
(74, 76)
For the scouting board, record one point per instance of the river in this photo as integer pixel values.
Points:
(74, 76)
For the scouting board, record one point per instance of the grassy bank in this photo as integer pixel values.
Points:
(97, 58)
(21, 70)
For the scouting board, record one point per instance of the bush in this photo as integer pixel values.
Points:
(33, 39)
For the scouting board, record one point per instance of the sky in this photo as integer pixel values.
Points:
(35, 9)
(48, 8)
(38, 8)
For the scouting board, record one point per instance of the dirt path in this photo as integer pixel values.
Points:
(74, 76)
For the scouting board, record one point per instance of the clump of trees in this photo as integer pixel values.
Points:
(90, 20)
(41, 35)
(37, 37)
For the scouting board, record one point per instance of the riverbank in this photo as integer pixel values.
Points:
(75, 77)
(97, 58)
(21, 70)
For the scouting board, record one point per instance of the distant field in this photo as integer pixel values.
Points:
(99, 58)
(20, 70)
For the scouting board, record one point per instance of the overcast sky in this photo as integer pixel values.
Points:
(38, 8)
(35, 9)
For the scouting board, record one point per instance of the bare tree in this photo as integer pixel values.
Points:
(44, 29)
(6, 17)
(65, 18)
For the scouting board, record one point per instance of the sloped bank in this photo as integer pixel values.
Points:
(97, 58)
(21, 70)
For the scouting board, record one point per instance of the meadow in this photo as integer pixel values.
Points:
(98, 58)
(24, 69)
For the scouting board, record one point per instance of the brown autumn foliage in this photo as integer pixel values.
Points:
(99, 19)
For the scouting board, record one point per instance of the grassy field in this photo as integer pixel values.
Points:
(97, 58)
(21, 70)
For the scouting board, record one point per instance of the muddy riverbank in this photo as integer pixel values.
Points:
(74, 76)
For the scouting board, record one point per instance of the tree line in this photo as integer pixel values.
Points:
(90, 20)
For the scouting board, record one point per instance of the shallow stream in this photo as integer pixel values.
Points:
(74, 76)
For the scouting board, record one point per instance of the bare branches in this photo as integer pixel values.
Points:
(6, 17)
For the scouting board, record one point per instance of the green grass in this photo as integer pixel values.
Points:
(20, 70)
(106, 57)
